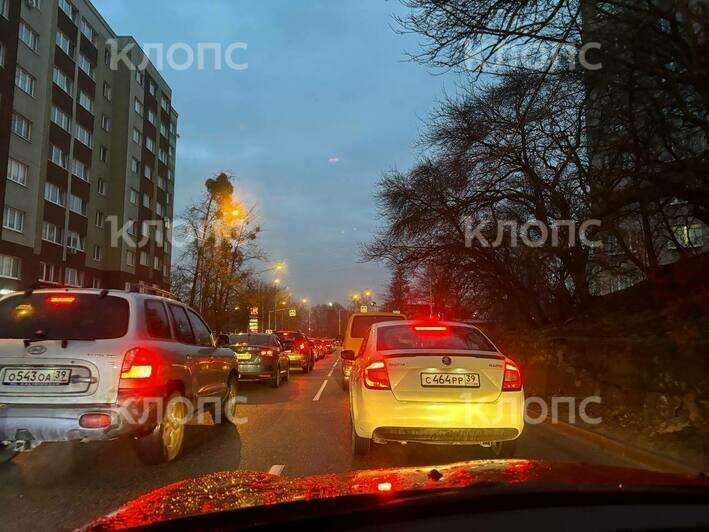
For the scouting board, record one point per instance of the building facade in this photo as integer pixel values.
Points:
(87, 151)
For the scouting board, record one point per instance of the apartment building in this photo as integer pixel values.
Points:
(87, 151)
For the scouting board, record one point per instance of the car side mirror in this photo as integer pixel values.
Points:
(348, 354)
(222, 340)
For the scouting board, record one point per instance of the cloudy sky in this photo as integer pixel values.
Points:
(328, 102)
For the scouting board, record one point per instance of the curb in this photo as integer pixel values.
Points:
(643, 457)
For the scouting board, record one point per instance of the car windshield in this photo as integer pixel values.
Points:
(263, 243)
(63, 315)
(431, 337)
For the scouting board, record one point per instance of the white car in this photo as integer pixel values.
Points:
(89, 364)
(436, 383)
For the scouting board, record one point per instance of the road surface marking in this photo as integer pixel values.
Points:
(277, 469)
(333, 367)
(317, 395)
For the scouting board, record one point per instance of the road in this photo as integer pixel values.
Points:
(299, 429)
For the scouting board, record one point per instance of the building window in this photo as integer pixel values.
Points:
(168, 198)
(74, 241)
(135, 165)
(61, 119)
(2, 50)
(101, 187)
(138, 106)
(68, 8)
(130, 258)
(100, 218)
(159, 209)
(132, 230)
(77, 205)
(105, 122)
(81, 171)
(21, 126)
(63, 81)
(139, 76)
(148, 172)
(150, 144)
(164, 104)
(162, 155)
(13, 219)
(25, 81)
(97, 253)
(163, 129)
(161, 182)
(29, 36)
(152, 89)
(86, 101)
(17, 172)
(144, 258)
(156, 263)
(136, 135)
(88, 32)
(688, 236)
(86, 66)
(10, 267)
(83, 135)
(73, 277)
(107, 91)
(146, 200)
(103, 153)
(133, 196)
(48, 272)
(51, 233)
(54, 194)
(151, 117)
(57, 156)
(4, 11)
(64, 44)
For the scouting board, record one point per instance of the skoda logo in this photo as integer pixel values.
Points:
(446, 361)
(36, 349)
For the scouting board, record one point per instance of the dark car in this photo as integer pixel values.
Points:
(261, 357)
(300, 352)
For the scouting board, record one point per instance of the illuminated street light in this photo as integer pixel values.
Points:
(304, 300)
(276, 281)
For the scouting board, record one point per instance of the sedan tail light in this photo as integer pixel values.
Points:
(512, 381)
(376, 376)
(266, 352)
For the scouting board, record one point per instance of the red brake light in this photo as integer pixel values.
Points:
(376, 376)
(94, 421)
(430, 328)
(138, 363)
(62, 300)
(512, 380)
(266, 352)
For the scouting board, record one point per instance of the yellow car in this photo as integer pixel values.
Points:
(357, 327)
(435, 383)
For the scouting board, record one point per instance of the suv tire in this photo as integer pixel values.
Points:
(165, 442)
(360, 446)
(276, 379)
(228, 408)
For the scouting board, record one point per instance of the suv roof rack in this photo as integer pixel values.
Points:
(142, 288)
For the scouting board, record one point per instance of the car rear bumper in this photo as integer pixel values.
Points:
(381, 417)
(255, 372)
(297, 360)
(49, 423)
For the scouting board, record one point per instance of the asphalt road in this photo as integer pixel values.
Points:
(300, 429)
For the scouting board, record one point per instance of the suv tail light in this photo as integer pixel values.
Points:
(376, 376)
(138, 363)
(266, 352)
(301, 347)
(512, 381)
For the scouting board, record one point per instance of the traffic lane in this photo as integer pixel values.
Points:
(65, 485)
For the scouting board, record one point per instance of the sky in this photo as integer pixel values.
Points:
(328, 102)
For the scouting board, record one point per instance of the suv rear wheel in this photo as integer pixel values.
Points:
(6, 453)
(228, 409)
(164, 443)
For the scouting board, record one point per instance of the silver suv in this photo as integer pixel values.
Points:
(89, 364)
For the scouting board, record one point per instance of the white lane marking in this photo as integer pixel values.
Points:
(333, 367)
(317, 395)
(277, 469)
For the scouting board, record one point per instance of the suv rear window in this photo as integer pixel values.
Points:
(156, 319)
(63, 316)
(361, 324)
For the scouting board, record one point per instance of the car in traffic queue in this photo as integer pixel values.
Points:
(94, 365)
(357, 326)
(434, 383)
(297, 347)
(260, 357)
